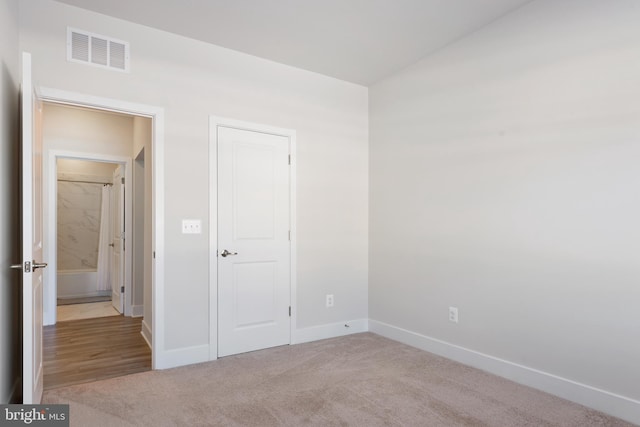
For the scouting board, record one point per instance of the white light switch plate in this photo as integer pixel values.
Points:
(191, 226)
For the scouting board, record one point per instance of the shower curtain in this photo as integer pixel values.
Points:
(104, 266)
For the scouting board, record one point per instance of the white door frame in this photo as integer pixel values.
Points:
(159, 355)
(51, 242)
(214, 123)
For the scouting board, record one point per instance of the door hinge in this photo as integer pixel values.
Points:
(122, 289)
(122, 179)
(289, 311)
(154, 254)
(289, 235)
(289, 158)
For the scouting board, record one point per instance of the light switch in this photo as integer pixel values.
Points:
(191, 226)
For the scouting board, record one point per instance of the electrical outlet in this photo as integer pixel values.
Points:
(453, 314)
(191, 226)
(329, 300)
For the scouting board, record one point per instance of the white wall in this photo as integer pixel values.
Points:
(192, 80)
(138, 230)
(141, 134)
(504, 181)
(99, 171)
(86, 131)
(142, 207)
(10, 343)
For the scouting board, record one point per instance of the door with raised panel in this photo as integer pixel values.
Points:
(32, 243)
(253, 241)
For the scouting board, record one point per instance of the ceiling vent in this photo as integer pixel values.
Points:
(94, 49)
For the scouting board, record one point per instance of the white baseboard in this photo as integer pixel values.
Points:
(619, 406)
(137, 310)
(146, 334)
(200, 353)
(182, 357)
(331, 330)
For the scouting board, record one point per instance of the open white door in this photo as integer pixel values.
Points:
(32, 375)
(253, 241)
(117, 242)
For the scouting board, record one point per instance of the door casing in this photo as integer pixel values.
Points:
(214, 123)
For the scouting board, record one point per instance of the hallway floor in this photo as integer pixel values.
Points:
(87, 350)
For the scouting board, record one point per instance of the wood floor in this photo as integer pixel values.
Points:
(81, 351)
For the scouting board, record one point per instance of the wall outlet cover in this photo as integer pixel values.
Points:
(453, 314)
(329, 300)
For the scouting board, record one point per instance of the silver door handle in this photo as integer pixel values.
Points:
(29, 266)
(35, 265)
(226, 253)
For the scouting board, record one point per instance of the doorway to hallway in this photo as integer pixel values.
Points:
(93, 201)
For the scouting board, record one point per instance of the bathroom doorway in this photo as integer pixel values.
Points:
(88, 220)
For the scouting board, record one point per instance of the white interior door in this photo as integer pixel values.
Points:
(253, 241)
(117, 242)
(31, 265)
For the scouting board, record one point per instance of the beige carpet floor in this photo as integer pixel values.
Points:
(358, 380)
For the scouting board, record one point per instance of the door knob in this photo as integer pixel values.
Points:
(226, 253)
(112, 245)
(35, 265)
(29, 266)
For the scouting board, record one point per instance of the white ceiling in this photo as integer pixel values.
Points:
(360, 41)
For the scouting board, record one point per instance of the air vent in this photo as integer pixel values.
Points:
(94, 49)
